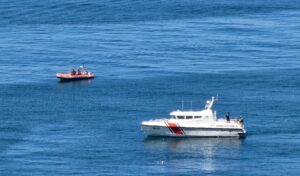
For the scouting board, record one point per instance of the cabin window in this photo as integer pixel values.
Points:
(180, 117)
(197, 117)
(189, 117)
(173, 117)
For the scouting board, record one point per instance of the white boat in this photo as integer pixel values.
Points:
(202, 123)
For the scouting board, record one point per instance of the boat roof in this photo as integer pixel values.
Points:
(206, 112)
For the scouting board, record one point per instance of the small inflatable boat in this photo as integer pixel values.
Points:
(81, 74)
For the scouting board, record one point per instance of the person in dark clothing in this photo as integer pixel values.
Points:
(78, 72)
(73, 72)
(241, 120)
(227, 117)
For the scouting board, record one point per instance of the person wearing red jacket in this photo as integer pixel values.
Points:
(73, 72)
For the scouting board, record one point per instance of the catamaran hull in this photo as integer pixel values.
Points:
(192, 132)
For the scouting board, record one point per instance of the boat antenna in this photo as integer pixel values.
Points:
(182, 104)
(191, 105)
(209, 103)
(83, 67)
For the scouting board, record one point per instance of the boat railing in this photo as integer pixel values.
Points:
(239, 120)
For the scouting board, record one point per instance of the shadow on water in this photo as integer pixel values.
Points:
(192, 143)
(75, 83)
(203, 153)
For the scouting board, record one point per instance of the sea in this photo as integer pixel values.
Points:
(149, 56)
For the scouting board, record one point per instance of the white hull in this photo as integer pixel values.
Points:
(195, 124)
(193, 132)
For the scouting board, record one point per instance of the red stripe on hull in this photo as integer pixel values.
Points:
(174, 128)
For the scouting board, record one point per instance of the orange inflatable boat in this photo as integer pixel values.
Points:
(80, 74)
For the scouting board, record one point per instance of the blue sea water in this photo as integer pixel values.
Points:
(148, 56)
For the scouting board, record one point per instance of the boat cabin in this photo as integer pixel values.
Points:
(207, 114)
(199, 115)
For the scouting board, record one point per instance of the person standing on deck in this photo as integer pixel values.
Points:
(227, 117)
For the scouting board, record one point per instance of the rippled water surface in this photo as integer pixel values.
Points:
(148, 56)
